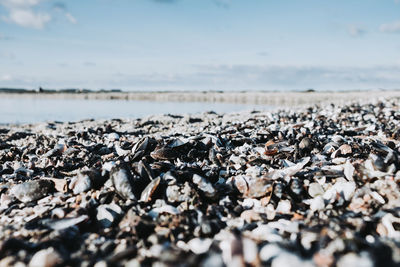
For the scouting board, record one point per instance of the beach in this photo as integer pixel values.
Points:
(313, 182)
(279, 99)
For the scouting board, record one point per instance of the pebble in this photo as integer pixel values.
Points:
(287, 188)
(315, 189)
(352, 259)
(317, 203)
(32, 190)
(284, 206)
(200, 246)
(46, 258)
(205, 186)
(108, 214)
(122, 181)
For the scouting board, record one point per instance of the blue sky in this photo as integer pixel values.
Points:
(200, 44)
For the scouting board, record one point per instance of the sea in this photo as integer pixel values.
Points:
(33, 110)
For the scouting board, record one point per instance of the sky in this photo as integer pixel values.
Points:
(200, 44)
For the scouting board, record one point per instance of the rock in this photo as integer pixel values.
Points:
(284, 207)
(317, 203)
(164, 209)
(80, 184)
(345, 150)
(108, 214)
(205, 186)
(349, 171)
(60, 185)
(46, 258)
(122, 181)
(250, 216)
(315, 189)
(270, 251)
(250, 252)
(288, 259)
(60, 224)
(164, 154)
(112, 136)
(149, 190)
(306, 144)
(352, 259)
(32, 190)
(199, 245)
(213, 259)
(175, 193)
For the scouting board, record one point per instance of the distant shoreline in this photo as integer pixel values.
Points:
(250, 97)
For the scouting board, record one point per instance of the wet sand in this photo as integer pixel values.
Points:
(263, 98)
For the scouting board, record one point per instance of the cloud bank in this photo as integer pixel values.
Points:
(393, 27)
(356, 31)
(24, 13)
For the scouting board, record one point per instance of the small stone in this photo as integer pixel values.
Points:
(176, 193)
(250, 216)
(199, 245)
(248, 203)
(113, 136)
(46, 258)
(108, 214)
(250, 251)
(288, 259)
(164, 154)
(315, 189)
(213, 259)
(271, 213)
(101, 264)
(349, 171)
(86, 180)
(317, 203)
(163, 209)
(65, 223)
(305, 144)
(345, 149)
(122, 179)
(241, 184)
(60, 185)
(322, 259)
(80, 184)
(149, 190)
(204, 186)
(32, 190)
(378, 197)
(352, 259)
(284, 207)
(269, 251)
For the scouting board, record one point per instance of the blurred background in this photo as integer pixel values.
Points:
(193, 45)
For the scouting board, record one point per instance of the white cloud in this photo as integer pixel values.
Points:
(21, 12)
(356, 31)
(5, 78)
(28, 18)
(393, 27)
(7, 55)
(223, 3)
(62, 8)
(13, 4)
(259, 77)
(221, 77)
(70, 18)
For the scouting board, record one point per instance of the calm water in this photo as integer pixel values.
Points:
(25, 110)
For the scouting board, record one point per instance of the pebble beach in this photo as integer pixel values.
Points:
(317, 185)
